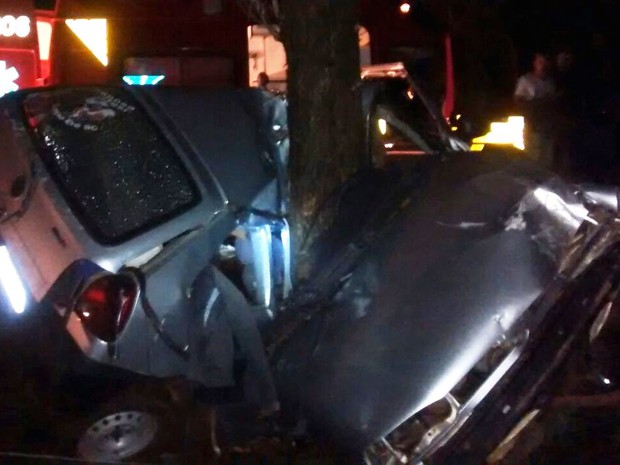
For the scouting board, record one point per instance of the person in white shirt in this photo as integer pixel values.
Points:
(535, 93)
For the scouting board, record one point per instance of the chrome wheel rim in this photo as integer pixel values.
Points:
(118, 436)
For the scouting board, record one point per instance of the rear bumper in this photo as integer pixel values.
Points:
(42, 335)
(539, 373)
(35, 329)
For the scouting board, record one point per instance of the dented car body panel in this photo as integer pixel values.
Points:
(464, 265)
(432, 262)
(100, 164)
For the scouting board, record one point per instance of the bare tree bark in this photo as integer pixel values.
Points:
(325, 117)
(264, 12)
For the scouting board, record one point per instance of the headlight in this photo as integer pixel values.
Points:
(420, 436)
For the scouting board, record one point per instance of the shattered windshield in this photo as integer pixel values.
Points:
(117, 172)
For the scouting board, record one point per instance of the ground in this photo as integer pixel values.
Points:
(30, 415)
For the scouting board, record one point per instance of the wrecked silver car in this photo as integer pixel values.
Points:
(149, 227)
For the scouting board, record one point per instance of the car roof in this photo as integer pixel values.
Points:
(229, 131)
(384, 70)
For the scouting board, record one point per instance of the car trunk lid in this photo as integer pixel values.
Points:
(105, 175)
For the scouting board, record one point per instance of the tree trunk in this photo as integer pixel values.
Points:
(325, 118)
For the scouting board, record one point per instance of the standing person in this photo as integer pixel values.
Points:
(263, 81)
(535, 94)
(567, 81)
(569, 92)
(600, 130)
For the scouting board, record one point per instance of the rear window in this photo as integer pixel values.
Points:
(117, 172)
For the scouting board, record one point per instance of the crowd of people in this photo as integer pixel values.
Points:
(571, 105)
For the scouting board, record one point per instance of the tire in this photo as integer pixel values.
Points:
(138, 425)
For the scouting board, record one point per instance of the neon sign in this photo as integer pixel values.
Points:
(143, 80)
(8, 76)
(11, 26)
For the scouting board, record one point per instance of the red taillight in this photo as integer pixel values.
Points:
(105, 305)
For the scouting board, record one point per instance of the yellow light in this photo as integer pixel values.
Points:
(454, 128)
(477, 147)
(508, 132)
(458, 117)
(405, 8)
(382, 126)
(94, 35)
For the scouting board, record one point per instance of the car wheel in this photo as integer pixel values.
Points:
(138, 425)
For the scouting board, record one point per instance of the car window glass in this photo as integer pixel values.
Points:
(400, 122)
(118, 173)
(396, 137)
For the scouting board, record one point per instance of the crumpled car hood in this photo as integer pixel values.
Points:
(476, 246)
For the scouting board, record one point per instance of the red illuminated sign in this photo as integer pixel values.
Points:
(18, 46)
(12, 26)
(17, 70)
(17, 26)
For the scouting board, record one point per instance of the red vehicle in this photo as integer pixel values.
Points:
(188, 43)
(20, 63)
(192, 43)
